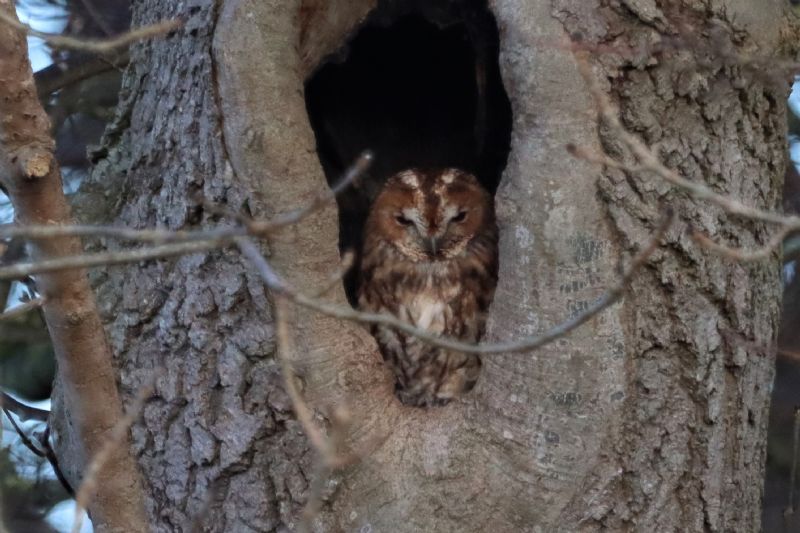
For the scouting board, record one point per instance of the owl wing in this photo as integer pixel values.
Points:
(424, 374)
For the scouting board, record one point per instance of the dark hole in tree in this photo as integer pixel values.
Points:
(419, 85)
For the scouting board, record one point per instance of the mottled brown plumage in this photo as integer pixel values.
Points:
(430, 258)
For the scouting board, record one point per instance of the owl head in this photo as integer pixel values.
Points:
(430, 215)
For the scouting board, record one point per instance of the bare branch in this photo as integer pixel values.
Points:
(282, 289)
(649, 160)
(340, 421)
(283, 350)
(221, 236)
(741, 255)
(345, 264)
(159, 236)
(54, 78)
(93, 46)
(329, 449)
(36, 303)
(50, 454)
(314, 498)
(790, 354)
(352, 174)
(22, 437)
(23, 412)
(30, 175)
(326, 448)
(156, 236)
(20, 270)
(46, 450)
(97, 17)
(276, 284)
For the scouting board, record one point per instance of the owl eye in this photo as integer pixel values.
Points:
(403, 221)
(460, 217)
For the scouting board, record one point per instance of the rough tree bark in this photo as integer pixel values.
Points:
(651, 418)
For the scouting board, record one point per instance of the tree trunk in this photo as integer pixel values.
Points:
(652, 417)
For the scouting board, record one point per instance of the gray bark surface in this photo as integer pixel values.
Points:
(650, 418)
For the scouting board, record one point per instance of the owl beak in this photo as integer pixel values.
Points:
(430, 246)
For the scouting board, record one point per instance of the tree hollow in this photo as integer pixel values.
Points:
(418, 84)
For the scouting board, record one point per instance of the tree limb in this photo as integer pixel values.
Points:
(23, 412)
(45, 450)
(93, 46)
(54, 78)
(80, 261)
(22, 309)
(50, 454)
(21, 434)
(649, 161)
(282, 290)
(276, 283)
(160, 236)
(32, 178)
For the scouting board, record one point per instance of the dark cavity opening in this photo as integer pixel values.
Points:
(419, 85)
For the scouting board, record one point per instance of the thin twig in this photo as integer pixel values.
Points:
(345, 264)
(185, 242)
(275, 283)
(319, 477)
(340, 422)
(743, 256)
(115, 440)
(283, 293)
(790, 354)
(283, 350)
(46, 450)
(97, 17)
(162, 236)
(325, 448)
(281, 289)
(351, 175)
(20, 270)
(23, 412)
(54, 78)
(155, 236)
(328, 449)
(94, 46)
(22, 437)
(649, 161)
(50, 454)
(19, 310)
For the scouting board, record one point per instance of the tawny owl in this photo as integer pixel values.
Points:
(430, 258)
